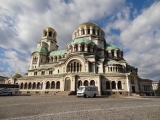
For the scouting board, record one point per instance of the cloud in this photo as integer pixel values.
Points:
(22, 22)
(140, 38)
(15, 61)
(29, 19)
(21, 25)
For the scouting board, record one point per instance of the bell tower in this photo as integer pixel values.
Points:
(48, 40)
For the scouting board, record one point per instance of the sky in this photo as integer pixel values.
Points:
(132, 25)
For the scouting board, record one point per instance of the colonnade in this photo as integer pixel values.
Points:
(88, 30)
(115, 68)
(82, 48)
(86, 83)
(114, 85)
(74, 67)
(114, 53)
(39, 85)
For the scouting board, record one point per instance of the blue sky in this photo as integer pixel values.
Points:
(132, 25)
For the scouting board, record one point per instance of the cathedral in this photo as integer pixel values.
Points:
(87, 60)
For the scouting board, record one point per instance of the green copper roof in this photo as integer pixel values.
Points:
(82, 40)
(44, 67)
(110, 62)
(111, 47)
(130, 66)
(58, 52)
(41, 50)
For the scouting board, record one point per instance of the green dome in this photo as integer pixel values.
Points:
(41, 50)
(111, 47)
(82, 40)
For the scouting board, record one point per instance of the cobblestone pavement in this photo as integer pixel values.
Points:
(73, 108)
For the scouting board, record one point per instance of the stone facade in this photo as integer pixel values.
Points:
(88, 60)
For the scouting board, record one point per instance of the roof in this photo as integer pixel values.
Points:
(41, 50)
(58, 52)
(110, 62)
(143, 79)
(111, 47)
(44, 67)
(88, 24)
(130, 66)
(17, 75)
(82, 40)
(115, 74)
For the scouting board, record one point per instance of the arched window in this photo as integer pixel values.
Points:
(88, 31)
(94, 32)
(74, 66)
(58, 85)
(107, 54)
(89, 48)
(25, 86)
(45, 33)
(79, 83)
(92, 82)
(112, 52)
(30, 85)
(48, 85)
(107, 85)
(52, 85)
(113, 85)
(119, 85)
(21, 86)
(82, 47)
(85, 83)
(38, 85)
(82, 31)
(50, 34)
(34, 86)
(118, 54)
(76, 47)
(55, 58)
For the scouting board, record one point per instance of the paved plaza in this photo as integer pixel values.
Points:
(73, 108)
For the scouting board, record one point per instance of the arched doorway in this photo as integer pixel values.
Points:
(85, 83)
(67, 86)
(92, 82)
(79, 83)
(113, 85)
(107, 85)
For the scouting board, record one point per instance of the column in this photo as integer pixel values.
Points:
(79, 47)
(85, 48)
(85, 31)
(91, 30)
(80, 32)
(109, 54)
(116, 85)
(115, 53)
(110, 85)
(96, 31)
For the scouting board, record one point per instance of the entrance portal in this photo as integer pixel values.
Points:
(67, 84)
(133, 89)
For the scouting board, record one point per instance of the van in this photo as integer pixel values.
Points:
(87, 91)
